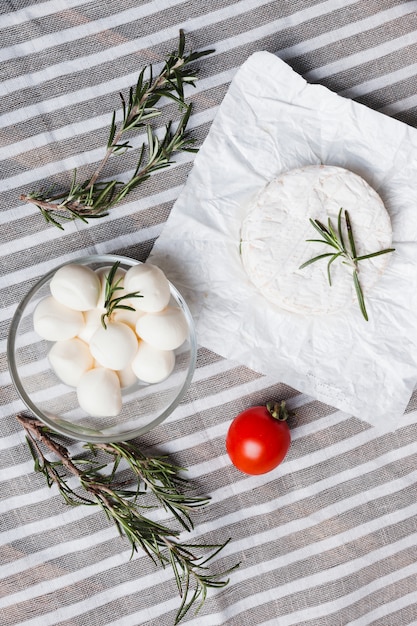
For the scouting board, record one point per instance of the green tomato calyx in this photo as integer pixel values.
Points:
(278, 410)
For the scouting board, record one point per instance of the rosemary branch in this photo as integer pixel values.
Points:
(111, 301)
(121, 499)
(93, 198)
(348, 256)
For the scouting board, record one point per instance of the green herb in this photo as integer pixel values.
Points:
(92, 198)
(111, 302)
(122, 496)
(348, 256)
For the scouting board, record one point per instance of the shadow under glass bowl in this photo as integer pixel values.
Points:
(55, 403)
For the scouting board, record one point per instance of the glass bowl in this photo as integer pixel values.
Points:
(144, 405)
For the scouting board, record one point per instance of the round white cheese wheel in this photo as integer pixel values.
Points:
(115, 346)
(152, 285)
(76, 286)
(99, 394)
(70, 359)
(152, 365)
(54, 321)
(165, 330)
(274, 233)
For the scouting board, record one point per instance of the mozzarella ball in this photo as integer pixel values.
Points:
(54, 321)
(127, 377)
(92, 322)
(98, 393)
(152, 365)
(152, 284)
(70, 359)
(165, 330)
(115, 346)
(102, 274)
(76, 286)
(127, 317)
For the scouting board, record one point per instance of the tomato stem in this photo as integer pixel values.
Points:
(278, 410)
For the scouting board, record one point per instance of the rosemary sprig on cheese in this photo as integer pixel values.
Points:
(346, 253)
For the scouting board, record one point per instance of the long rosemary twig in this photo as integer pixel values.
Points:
(121, 499)
(335, 239)
(93, 198)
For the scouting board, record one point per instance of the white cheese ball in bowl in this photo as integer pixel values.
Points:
(151, 364)
(152, 285)
(114, 346)
(99, 393)
(70, 359)
(76, 286)
(54, 321)
(165, 330)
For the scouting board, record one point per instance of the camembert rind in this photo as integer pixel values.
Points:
(274, 233)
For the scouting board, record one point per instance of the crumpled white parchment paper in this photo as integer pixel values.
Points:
(270, 121)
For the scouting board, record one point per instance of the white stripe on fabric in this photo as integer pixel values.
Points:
(327, 608)
(305, 584)
(39, 10)
(386, 609)
(110, 54)
(159, 576)
(87, 29)
(299, 554)
(95, 155)
(121, 83)
(244, 574)
(380, 82)
(75, 129)
(53, 552)
(98, 122)
(345, 32)
(359, 58)
(400, 106)
(69, 515)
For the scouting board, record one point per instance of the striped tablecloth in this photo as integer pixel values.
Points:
(328, 538)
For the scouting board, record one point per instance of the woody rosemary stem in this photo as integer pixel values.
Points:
(121, 499)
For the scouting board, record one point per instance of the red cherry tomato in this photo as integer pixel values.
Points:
(259, 438)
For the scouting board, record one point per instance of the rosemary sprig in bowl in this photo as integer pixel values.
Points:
(112, 302)
(93, 198)
(121, 495)
(347, 254)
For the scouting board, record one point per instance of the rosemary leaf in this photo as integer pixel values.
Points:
(350, 235)
(314, 259)
(369, 256)
(332, 260)
(359, 294)
(340, 230)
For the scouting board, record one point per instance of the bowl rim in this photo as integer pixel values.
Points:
(59, 428)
